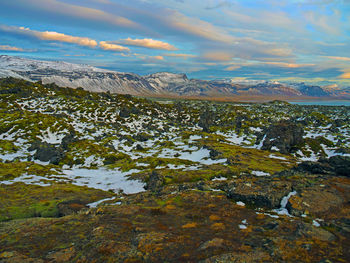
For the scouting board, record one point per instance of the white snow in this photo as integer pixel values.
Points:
(219, 179)
(259, 173)
(53, 138)
(274, 148)
(268, 214)
(31, 179)
(11, 156)
(243, 225)
(105, 180)
(283, 210)
(201, 156)
(240, 203)
(260, 144)
(193, 138)
(255, 129)
(95, 204)
(277, 157)
(193, 154)
(315, 223)
(233, 137)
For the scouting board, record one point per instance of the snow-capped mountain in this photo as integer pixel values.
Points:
(24, 64)
(73, 75)
(162, 83)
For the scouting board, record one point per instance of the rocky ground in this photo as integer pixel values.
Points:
(95, 177)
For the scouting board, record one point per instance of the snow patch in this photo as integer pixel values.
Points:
(283, 210)
(95, 204)
(259, 173)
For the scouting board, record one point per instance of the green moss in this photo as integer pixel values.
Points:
(9, 171)
(7, 147)
(19, 200)
(315, 144)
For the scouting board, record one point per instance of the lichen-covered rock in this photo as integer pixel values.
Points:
(315, 167)
(259, 193)
(335, 165)
(316, 201)
(155, 182)
(68, 139)
(284, 135)
(214, 243)
(47, 152)
(124, 112)
(340, 164)
(206, 119)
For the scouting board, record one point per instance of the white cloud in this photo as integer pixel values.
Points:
(338, 58)
(148, 43)
(11, 48)
(105, 45)
(50, 36)
(176, 55)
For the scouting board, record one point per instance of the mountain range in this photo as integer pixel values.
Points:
(162, 83)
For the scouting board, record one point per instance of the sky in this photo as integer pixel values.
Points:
(243, 40)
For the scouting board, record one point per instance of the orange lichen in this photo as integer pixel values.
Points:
(190, 225)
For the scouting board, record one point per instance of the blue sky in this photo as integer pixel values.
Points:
(294, 40)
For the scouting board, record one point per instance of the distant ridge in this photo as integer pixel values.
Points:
(162, 83)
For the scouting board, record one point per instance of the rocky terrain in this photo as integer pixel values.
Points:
(161, 84)
(102, 177)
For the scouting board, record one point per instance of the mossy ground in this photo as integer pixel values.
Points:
(20, 200)
(190, 217)
(188, 227)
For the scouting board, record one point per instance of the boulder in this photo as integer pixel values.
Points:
(69, 138)
(155, 182)
(316, 201)
(314, 167)
(284, 135)
(340, 164)
(335, 165)
(47, 152)
(260, 193)
(206, 119)
(124, 112)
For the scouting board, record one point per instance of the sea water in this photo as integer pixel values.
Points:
(323, 102)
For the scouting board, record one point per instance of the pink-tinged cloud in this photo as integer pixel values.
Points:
(185, 56)
(147, 57)
(288, 65)
(10, 48)
(199, 28)
(232, 68)
(50, 36)
(54, 36)
(217, 56)
(157, 57)
(148, 43)
(63, 9)
(338, 58)
(105, 45)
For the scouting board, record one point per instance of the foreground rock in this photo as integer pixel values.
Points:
(283, 136)
(191, 226)
(263, 192)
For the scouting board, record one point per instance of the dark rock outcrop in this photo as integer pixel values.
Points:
(284, 135)
(335, 165)
(340, 164)
(206, 119)
(260, 193)
(69, 138)
(155, 182)
(124, 112)
(47, 152)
